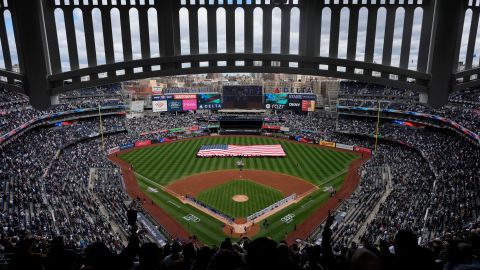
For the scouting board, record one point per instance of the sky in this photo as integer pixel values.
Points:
(239, 33)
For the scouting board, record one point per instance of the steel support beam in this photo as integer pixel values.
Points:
(32, 51)
(448, 25)
(437, 59)
(309, 32)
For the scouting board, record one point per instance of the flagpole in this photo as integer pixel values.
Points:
(101, 126)
(378, 122)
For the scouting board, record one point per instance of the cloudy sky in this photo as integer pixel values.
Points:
(239, 34)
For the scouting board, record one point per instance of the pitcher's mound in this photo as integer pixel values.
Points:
(240, 198)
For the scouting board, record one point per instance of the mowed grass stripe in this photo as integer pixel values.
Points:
(169, 162)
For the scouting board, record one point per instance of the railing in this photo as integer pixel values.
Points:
(71, 44)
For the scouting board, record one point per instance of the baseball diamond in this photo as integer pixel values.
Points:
(260, 197)
(214, 181)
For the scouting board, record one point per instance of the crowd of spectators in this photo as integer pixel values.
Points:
(451, 190)
(15, 109)
(154, 122)
(463, 107)
(455, 251)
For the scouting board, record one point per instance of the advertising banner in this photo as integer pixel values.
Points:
(295, 104)
(113, 150)
(159, 106)
(209, 101)
(189, 104)
(286, 129)
(162, 140)
(271, 127)
(276, 101)
(142, 143)
(344, 146)
(174, 105)
(302, 139)
(161, 97)
(126, 146)
(185, 96)
(302, 96)
(308, 105)
(362, 150)
(327, 143)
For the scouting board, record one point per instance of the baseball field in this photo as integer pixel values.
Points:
(165, 172)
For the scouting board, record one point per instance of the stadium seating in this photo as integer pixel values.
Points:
(57, 181)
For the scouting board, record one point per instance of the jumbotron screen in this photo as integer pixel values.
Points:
(242, 97)
(294, 102)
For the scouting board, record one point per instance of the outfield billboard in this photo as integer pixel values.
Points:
(209, 101)
(362, 150)
(344, 146)
(174, 105)
(308, 105)
(142, 143)
(189, 104)
(186, 102)
(294, 102)
(327, 143)
(185, 96)
(276, 101)
(113, 150)
(159, 106)
(161, 97)
(302, 96)
(271, 127)
(126, 146)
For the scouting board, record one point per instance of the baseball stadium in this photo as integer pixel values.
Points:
(239, 135)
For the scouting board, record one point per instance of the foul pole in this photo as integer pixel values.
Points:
(378, 123)
(101, 125)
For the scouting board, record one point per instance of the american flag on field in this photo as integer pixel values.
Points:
(224, 150)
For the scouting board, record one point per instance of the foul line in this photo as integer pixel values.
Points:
(333, 177)
(158, 185)
(174, 204)
(305, 204)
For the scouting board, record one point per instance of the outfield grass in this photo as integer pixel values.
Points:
(259, 197)
(168, 162)
(160, 165)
